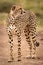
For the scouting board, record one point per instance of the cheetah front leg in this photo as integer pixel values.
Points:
(19, 44)
(11, 46)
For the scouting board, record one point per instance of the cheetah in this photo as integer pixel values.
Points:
(20, 20)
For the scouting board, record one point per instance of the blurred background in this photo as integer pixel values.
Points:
(34, 5)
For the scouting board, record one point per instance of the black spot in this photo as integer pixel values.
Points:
(11, 46)
(19, 53)
(33, 58)
(37, 44)
(19, 59)
(27, 37)
(25, 34)
(33, 37)
(18, 41)
(19, 49)
(28, 33)
(19, 45)
(21, 12)
(24, 12)
(11, 39)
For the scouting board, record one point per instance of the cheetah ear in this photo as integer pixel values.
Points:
(13, 7)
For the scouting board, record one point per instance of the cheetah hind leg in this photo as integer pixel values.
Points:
(34, 40)
(27, 35)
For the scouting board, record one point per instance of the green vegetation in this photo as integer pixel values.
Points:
(34, 5)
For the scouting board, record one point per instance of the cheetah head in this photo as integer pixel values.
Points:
(16, 10)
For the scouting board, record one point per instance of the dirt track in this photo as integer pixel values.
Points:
(4, 50)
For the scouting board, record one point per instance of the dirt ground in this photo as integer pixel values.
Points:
(4, 50)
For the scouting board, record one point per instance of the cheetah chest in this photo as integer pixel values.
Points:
(21, 21)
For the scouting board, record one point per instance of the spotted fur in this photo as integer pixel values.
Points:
(20, 20)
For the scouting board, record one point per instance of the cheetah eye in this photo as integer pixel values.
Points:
(20, 8)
